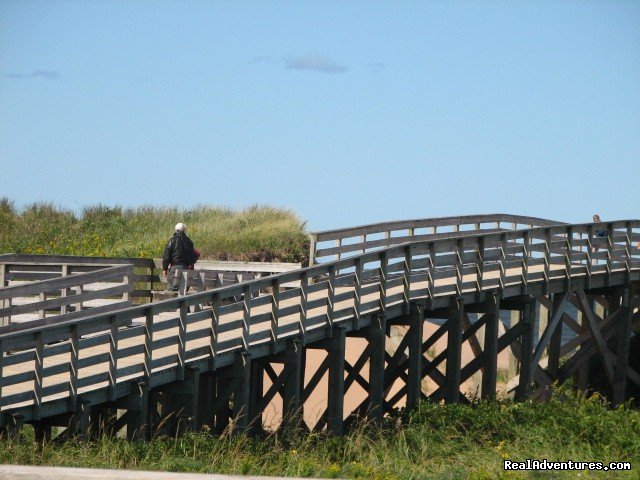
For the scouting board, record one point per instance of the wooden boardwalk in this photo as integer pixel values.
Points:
(219, 357)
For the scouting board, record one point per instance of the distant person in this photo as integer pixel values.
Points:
(599, 233)
(179, 254)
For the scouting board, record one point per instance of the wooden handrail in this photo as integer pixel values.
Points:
(455, 226)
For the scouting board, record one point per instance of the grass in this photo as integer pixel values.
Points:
(433, 442)
(256, 233)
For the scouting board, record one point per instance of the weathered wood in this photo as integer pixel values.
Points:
(526, 352)
(377, 334)
(623, 346)
(597, 337)
(434, 271)
(454, 351)
(555, 343)
(491, 332)
(335, 402)
(416, 358)
(292, 387)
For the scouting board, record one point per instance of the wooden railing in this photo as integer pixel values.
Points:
(213, 325)
(209, 274)
(64, 297)
(21, 268)
(335, 244)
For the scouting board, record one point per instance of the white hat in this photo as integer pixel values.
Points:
(180, 227)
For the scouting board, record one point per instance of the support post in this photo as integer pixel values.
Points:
(256, 390)
(240, 411)
(414, 373)
(292, 387)
(80, 420)
(377, 335)
(553, 366)
(12, 425)
(138, 426)
(206, 392)
(454, 351)
(515, 317)
(335, 401)
(624, 343)
(491, 332)
(526, 350)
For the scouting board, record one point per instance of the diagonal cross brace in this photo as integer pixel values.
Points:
(597, 337)
(551, 326)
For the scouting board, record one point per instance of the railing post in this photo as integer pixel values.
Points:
(480, 263)
(313, 240)
(432, 270)
(525, 261)
(148, 342)
(1, 368)
(182, 339)
(74, 371)
(628, 247)
(407, 274)
(113, 356)
(357, 300)
(64, 291)
(4, 303)
(610, 244)
(304, 293)
(331, 297)
(275, 307)
(459, 263)
(568, 257)
(547, 258)
(38, 374)
(503, 259)
(215, 325)
(246, 317)
(384, 262)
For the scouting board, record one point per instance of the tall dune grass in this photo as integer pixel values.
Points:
(434, 442)
(259, 233)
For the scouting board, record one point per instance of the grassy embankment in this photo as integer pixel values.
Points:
(257, 233)
(452, 441)
(436, 442)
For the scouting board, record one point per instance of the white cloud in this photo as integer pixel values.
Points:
(316, 63)
(46, 74)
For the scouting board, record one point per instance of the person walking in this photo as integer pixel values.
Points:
(599, 234)
(178, 255)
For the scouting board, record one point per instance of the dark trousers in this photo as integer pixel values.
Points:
(173, 277)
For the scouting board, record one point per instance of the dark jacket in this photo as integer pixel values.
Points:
(179, 251)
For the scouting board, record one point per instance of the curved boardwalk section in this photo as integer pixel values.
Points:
(392, 320)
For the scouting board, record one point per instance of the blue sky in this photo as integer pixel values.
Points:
(345, 112)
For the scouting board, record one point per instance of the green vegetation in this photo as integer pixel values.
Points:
(257, 233)
(433, 442)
